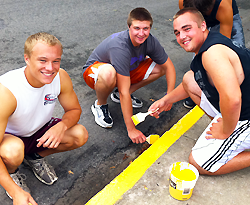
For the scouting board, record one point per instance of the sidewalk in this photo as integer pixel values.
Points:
(146, 179)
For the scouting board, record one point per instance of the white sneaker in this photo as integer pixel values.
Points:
(115, 97)
(102, 115)
(19, 180)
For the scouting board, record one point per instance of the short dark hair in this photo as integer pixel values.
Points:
(140, 14)
(202, 5)
(192, 10)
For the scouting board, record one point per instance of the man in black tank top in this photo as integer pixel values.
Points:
(218, 83)
(220, 16)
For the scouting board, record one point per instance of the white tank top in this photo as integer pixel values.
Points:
(34, 105)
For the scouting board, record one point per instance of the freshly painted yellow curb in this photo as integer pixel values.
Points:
(127, 179)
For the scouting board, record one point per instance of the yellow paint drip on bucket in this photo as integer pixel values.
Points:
(183, 177)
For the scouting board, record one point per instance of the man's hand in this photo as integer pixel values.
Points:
(24, 198)
(53, 137)
(162, 105)
(136, 136)
(216, 131)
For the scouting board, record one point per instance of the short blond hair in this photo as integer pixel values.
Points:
(40, 37)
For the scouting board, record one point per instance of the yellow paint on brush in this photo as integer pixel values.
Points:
(127, 179)
(151, 139)
(135, 119)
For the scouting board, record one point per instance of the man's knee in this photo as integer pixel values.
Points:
(12, 152)
(190, 85)
(107, 75)
(188, 80)
(193, 162)
(80, 135)
(200, 169)
(159, 70)
(191, 159)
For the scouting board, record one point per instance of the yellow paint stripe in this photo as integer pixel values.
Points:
(127, 179)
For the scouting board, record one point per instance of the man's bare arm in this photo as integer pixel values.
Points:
(72, 108)
(222, 74)
(7, 107)
(170, 75)
(225, 17)
(69, 101)
(123, 85)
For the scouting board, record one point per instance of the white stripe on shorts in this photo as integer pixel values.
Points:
(227, 144)
(96, 71)
(149, 71)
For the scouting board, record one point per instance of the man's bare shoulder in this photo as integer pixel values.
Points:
(220, 60)
(216, 56)
(8, 101)
(63, 74)
(225, 11)
(218, 51)
(65, 80)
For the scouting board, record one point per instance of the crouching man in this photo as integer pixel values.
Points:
(28, 132)
(218, 83)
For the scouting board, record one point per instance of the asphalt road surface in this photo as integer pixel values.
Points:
(81, 26)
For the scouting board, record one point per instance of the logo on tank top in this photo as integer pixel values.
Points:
(49, 99)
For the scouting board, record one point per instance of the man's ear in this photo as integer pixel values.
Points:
(203, 26)
(26, 58)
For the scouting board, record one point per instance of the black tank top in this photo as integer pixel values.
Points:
(211, 19)
(202, 79)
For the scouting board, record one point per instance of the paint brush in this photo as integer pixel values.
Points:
(151, 139)
(140, 117)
